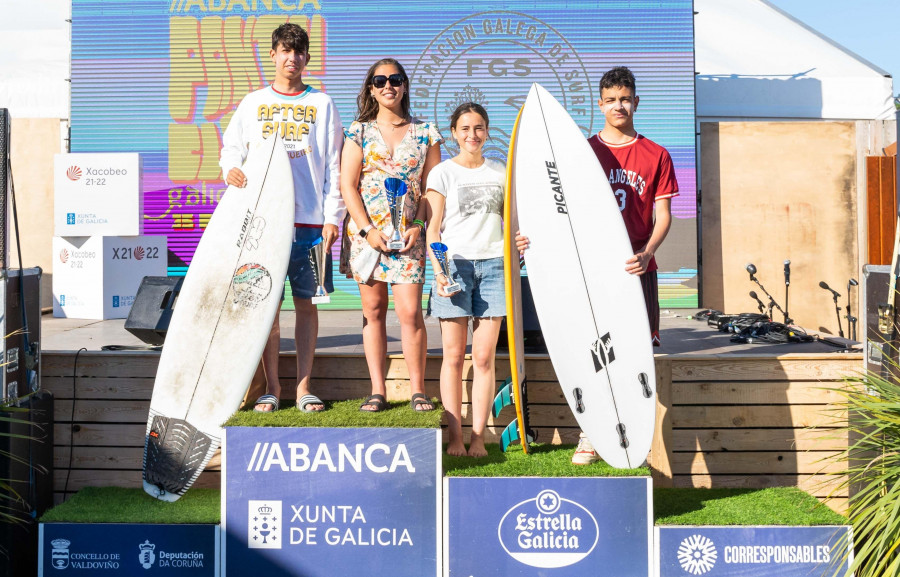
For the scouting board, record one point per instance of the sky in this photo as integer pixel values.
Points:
(868, 28)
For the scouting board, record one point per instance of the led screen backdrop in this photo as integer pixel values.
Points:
(162, 78)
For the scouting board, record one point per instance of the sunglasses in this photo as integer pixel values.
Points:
(381, 80)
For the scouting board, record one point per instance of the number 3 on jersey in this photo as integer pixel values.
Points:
(620, 198)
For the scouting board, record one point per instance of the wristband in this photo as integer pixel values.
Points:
(420, 223)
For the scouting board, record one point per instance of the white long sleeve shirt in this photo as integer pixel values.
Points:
(310, 126)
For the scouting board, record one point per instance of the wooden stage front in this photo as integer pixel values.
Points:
(729, 415)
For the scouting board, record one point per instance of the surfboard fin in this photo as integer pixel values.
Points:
(510, 435)
(623, 437)
(503, 398)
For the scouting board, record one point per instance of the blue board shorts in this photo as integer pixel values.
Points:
(483, 294)
(300, 273)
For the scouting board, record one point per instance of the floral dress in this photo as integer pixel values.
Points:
(378, 164)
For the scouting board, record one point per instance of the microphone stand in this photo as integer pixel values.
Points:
(772, 302)
(851, 320)
(787, 285)
(837, 311)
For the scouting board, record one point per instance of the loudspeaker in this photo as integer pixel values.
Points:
(20, 329)
(531, 326)
(876, 284)
(152, 309)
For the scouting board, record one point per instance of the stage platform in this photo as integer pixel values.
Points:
(341, 332)
(729, 415)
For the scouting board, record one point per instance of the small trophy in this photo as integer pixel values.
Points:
(440, 253)
(318, 262)
(395, 189)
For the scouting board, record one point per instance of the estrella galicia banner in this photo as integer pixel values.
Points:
(752, 551)
(126, 550)
(319, 502)
(548, 527)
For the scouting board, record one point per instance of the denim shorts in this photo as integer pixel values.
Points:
(482, 295)
(300, 273)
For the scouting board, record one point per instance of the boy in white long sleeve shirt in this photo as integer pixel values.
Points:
(310, 126)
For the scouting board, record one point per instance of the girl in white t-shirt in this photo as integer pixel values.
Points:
(465, 202)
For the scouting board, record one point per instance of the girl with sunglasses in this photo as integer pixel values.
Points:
(386, 142)
(465, 200)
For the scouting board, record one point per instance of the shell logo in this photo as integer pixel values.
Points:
(73, 173)
(63, 256)
(139, 253)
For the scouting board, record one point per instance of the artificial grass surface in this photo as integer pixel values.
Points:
(118, 505)
(344, 414)
(772, 506)
(775, 506)
(543, 461)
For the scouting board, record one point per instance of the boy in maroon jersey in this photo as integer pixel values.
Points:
(641, 174)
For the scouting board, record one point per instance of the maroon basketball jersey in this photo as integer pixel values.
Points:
(640, 172)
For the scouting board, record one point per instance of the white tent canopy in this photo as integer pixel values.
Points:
(754, 61)
(35, 48)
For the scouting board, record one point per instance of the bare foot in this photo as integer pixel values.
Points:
(476, 448)
(456, 449)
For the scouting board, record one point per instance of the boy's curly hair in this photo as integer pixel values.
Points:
(291, 36)
(618, 76)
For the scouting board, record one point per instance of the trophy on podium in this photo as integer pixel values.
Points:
(440, 253)
(395, 189)
(318, 262)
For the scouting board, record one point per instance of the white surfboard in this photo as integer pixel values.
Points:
(220, 322)
(592, 312)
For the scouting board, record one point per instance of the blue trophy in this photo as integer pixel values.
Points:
(395, 188)
(440, 253)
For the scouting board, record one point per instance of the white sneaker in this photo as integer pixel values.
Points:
(584, 452)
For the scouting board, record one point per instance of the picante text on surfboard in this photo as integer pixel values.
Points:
(558, 197)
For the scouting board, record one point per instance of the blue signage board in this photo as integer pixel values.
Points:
(319, 502)
(117, 549)
(752, 551)
(567, 527)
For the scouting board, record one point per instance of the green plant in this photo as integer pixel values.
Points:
(12, 503)
(872, 405)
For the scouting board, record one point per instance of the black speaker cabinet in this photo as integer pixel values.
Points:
(5, 129)
(876, 281)
(152, 309)
(21, 327)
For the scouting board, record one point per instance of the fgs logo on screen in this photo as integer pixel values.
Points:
(492, 58)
